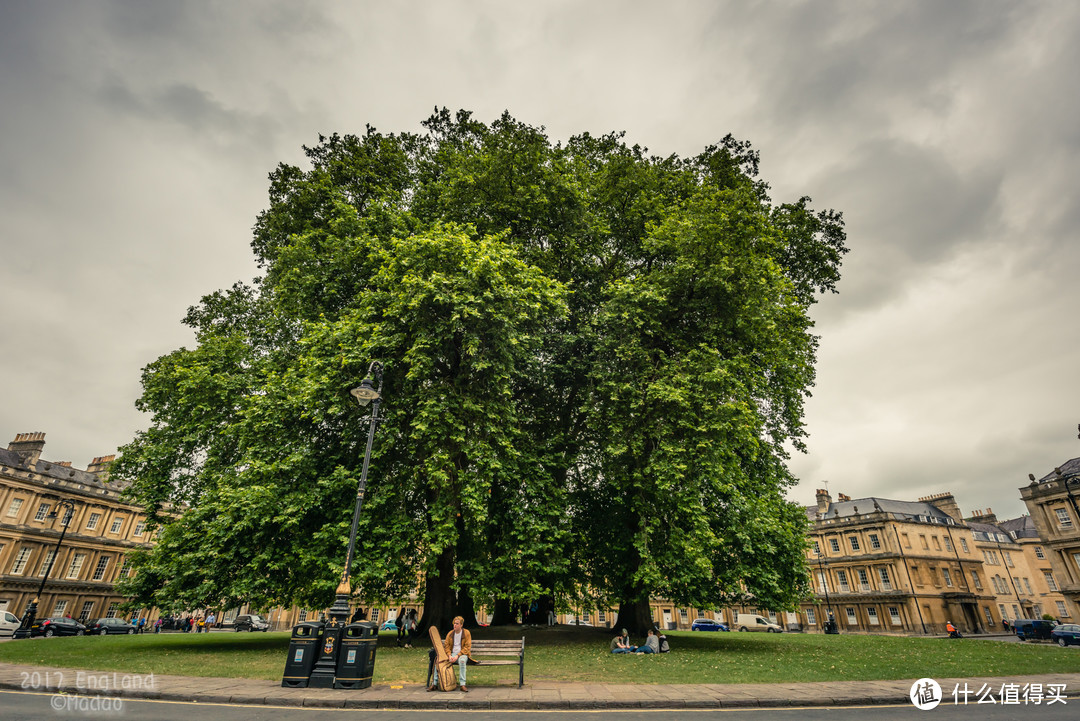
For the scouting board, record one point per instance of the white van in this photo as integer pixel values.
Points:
(753, 622)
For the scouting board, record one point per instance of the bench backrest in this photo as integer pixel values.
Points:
(498, 647)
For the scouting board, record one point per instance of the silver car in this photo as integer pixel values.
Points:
(8, 623)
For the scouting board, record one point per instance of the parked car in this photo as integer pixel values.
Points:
(388, 626)
(9, 622)
(705, 624)
(103, 626)
(1066, 634)
(250, 622)
(1033, 629)
(753, 622)
(57, 626)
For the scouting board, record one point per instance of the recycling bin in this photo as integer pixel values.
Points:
(304, 649)
(356, 657)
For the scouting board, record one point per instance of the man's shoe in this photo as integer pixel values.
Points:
(464, 689)
(433, 687)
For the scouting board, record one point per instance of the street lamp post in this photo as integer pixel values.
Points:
(369, 392)
(830, 624)
(23, 631)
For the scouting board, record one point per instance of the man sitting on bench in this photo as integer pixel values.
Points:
(458, 645)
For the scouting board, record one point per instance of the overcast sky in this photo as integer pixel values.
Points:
(136, 139)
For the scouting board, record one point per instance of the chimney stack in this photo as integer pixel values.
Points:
(100, 466)
(29, 447)
(842, 497)
(946, 503)
(823, 500)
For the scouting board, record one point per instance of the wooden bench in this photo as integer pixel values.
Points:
(491, 652)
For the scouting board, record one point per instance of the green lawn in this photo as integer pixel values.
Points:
(577, 655)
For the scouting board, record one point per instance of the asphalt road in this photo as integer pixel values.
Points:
(19, 706)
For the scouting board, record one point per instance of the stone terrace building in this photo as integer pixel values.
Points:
(102, 530)
(890, 566)
(1053, 503)
(1035, 554)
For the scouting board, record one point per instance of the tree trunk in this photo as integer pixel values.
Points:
(439, 597)
(503, 613)
(635, 617)
(466, 609)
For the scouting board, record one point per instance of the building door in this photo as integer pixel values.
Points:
(667, 618)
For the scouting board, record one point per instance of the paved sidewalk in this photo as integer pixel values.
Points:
(533, 696)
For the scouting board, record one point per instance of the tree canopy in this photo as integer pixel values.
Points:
(595, 360)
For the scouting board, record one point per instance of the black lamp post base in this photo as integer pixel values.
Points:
(23, 631)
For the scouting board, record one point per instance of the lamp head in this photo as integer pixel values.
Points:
(366, 393)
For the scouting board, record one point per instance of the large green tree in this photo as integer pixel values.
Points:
(595, 359)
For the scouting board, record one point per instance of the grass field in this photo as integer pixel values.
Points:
(560, 654)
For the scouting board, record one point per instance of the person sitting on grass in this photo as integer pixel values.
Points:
(621, 643)
(652, 644)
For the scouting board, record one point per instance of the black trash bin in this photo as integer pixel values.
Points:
(304, 647)
(356, 659)
(831, 626)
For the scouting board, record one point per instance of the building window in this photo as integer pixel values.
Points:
(907, 541)
(601, 617)
(125, 568)
(922, 540)
(871, 616)
(864, 580)
(1038, 610)
(42, 511)
(1063, 518)
(875, 542)
(1008, 558)
(894, 615)
(303, 615)
(1004, 612)
(116, 524)
(1027, 585)
(963, 545)
(811, 617)
(76, 565)
(1076, 560)
(821, 582)
(113, 607)
(13, 509)
(1039, 553)
(99, 571)
(934, 577)
(841, 576)
(49, 556)
(1062, 611)
(1050, 580)
(375, 615)
(948, 544)
(834, 545)
(975, 581)
(948, 577)
(139, 528)
(85, 612)
(854, 541)
(92, 523)
(937, 543)
(817, 548)
(684, 616)
(851, 619)
(883, 576)
(60, 609)
(20, 561)
(989, 616)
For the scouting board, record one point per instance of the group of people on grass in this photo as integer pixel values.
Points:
(655, 642)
